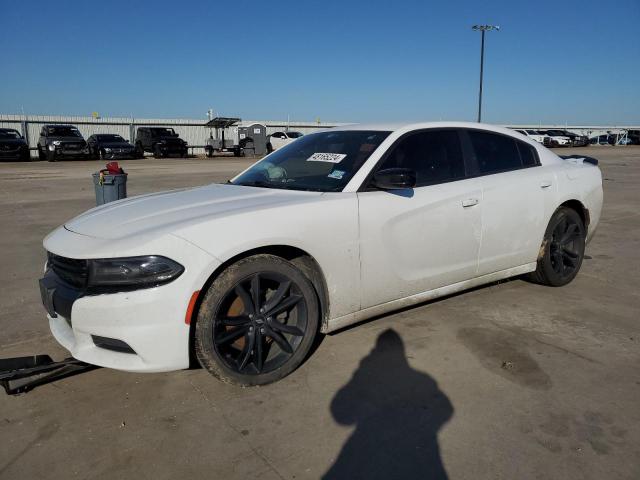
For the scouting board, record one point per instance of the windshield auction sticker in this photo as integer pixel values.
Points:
(327, 157)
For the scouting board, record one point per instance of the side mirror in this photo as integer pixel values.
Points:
(394, 179)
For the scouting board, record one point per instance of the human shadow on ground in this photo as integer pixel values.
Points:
(397, 412)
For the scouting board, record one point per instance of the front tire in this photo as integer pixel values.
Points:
(157, 152)
(257, 322)
(562, 249)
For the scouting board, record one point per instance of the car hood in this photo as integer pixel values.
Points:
(167, 212)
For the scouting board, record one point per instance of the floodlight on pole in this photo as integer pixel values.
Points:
(482, 29)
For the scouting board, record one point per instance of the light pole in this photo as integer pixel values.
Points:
(482, 28)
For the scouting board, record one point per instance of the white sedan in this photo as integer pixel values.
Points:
(337, 227)
(280, 139)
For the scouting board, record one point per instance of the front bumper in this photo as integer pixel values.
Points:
(14, 154)
(120, 154)
(172, 148)
(71, 153)
(150, 321)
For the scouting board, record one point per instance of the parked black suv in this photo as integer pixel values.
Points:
(161, 141)
(110, 146)
(13, 146)
(59, 141)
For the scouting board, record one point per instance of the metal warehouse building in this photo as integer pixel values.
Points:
(194, 132)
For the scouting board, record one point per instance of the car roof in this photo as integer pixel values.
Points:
(407, 127)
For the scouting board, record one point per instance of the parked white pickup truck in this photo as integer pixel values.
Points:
(557, 139)
(535, 135)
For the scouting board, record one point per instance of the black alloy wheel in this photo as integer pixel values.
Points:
(564, 245)
(257, 322)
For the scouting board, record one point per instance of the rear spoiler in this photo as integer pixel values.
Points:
(579, 159)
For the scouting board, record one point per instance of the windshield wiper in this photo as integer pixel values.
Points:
(277, 186)
(257, 183)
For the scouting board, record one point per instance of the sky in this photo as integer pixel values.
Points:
(571, 61)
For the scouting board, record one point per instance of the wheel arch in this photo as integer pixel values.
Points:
(573, 204)
(579, 208)
(300, 258)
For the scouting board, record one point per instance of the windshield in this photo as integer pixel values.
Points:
(9, 134)
(323, 162)
(294, 134)
(110, 138)
(162, 132)
(64, 132)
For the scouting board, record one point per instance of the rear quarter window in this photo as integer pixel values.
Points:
(528, 154)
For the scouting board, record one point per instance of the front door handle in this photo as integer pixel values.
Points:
(545, 184)
(470, 202)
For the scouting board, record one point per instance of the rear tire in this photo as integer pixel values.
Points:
(238, 340)
(562, 249)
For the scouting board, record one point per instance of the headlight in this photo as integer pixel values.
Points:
(108, 150)
(132, 272)
(52, 147)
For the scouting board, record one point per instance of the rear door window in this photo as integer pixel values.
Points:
(494, 152)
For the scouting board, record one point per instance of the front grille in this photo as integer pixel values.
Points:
(72, 146)
(71, 271)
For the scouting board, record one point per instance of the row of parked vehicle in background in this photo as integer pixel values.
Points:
(66, 141)
(555, 138)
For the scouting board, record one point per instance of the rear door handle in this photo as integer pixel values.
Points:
(545, 184)
(470, 202)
